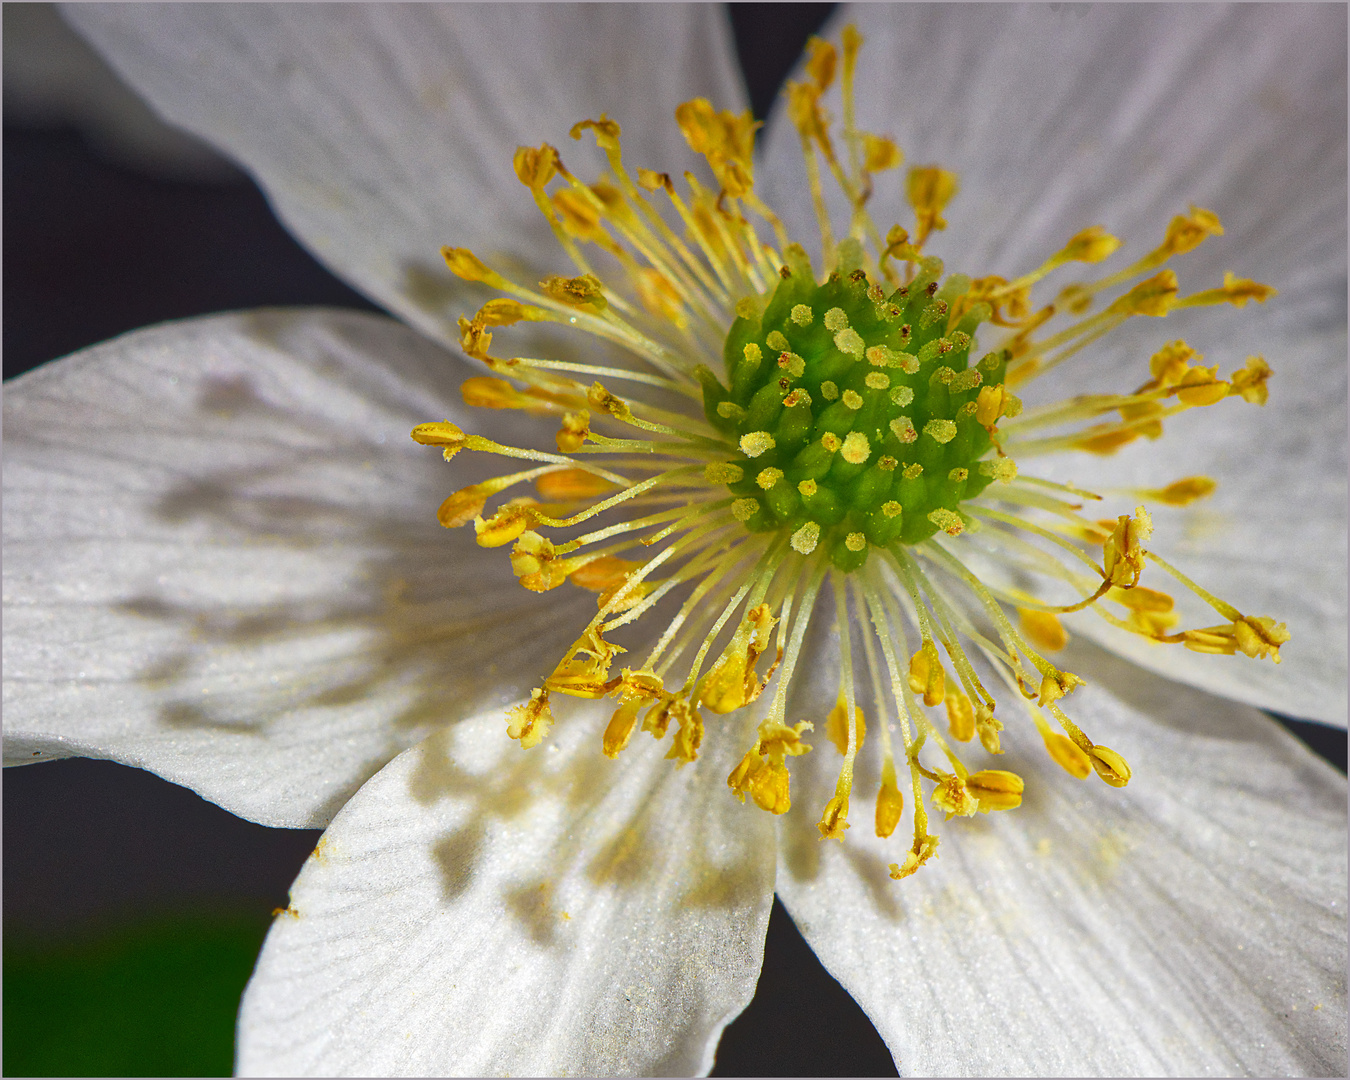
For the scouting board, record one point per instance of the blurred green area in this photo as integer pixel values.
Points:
(154, 997)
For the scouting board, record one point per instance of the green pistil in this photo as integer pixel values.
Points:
(868, 400)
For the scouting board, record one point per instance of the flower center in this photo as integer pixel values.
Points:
(859, 417)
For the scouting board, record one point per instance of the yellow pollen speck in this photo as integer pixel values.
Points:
(880, 153)
(1003, 470)
(953, 796)
(880, 356)
(912, 472)
(1156, 296)
(990, 404)
(892, 508)
(902, 396)
(995, 789)
(960, 716)
(584, 292)
(877, 380)
(903, 429)
(465, 264)
(768, 477)
(568, 485)
(829, 390)
(1201, 386)
(890, 806)
(793, 364)
(940, 431)
(1092, 245)
(830, 441)
(530, 722)
(957, 475)
(966, 380)
(886, 463)
(855, 541)
(1110, 766)
(620, 728)
(744, 509)
(926, 676)
(752, 353)
(929, 189)
(723, 473)
(836, 320)
(573, 431)
(1043, 628)
(856, 448)
(439, 433)
(948, 522)
(777, 342)
(804, 540)
(756, 443)
(1250, 381)
(837, 727)
(802, 315)
(1123, 553)
(1186, 491)
(852, 399)
(834, 820)
(1068, 756)
(807, 488)
(849, 342)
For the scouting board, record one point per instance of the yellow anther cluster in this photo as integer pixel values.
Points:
(762, 773)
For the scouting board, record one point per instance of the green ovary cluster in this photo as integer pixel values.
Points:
(854, 410)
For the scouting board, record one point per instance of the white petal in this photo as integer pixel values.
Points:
(481, 910)
(222, 562)
(381, 132)
(1190, 924)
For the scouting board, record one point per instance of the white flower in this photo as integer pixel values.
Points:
(221, 565)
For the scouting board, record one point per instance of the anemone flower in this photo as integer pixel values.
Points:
(223, 561)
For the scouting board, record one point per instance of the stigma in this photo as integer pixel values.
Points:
(786, 441)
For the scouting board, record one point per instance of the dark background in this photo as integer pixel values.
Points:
(133, 909)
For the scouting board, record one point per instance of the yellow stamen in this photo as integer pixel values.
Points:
(804, 460)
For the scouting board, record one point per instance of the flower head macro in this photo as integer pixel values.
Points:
(807, 455)
(851, 419)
